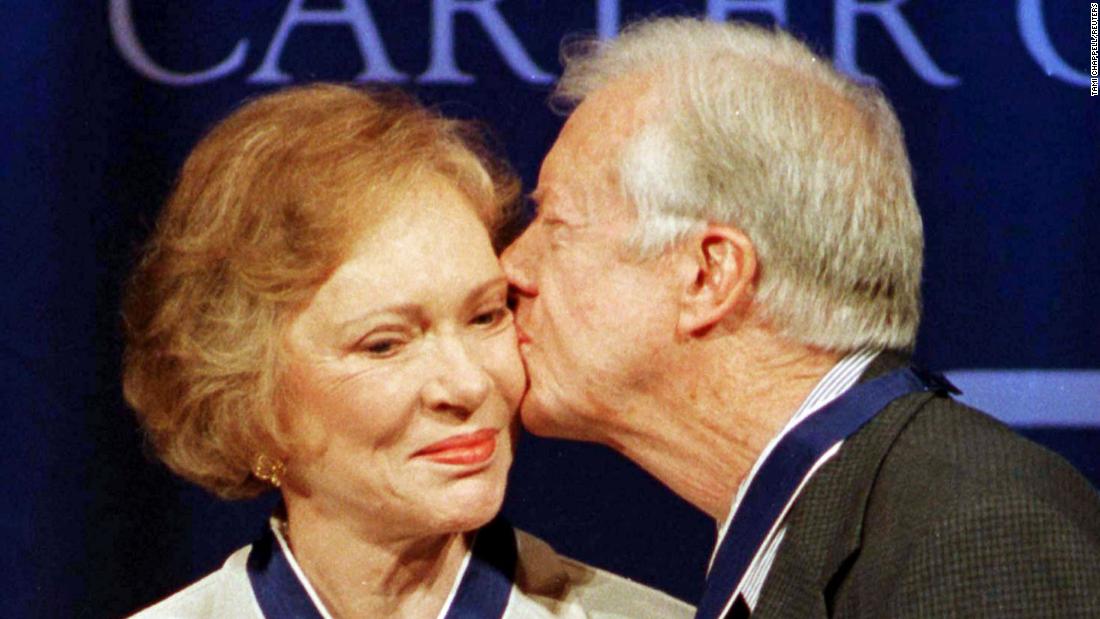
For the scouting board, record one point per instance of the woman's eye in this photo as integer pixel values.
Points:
(491, 317)
(381, 347)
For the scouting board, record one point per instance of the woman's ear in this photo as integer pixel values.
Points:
(722, 278)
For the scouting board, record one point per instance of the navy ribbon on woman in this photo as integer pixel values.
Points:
(784, 469)
(483, 592)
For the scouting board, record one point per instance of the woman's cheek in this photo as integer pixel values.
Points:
(506, 367)
(384, 402)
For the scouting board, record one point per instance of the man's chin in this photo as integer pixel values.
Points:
(535, 421)
(542, 420)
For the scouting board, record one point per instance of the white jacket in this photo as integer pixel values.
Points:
(544, 585)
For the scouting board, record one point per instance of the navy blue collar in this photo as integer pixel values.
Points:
(483, 591)
(789, 463)
(486, 586)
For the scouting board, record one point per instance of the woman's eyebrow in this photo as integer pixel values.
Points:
(413, 311)
(406, 310)
(479, 291)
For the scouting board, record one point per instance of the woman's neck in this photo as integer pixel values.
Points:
(357, 574)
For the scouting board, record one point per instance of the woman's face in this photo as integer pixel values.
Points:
(403, 376)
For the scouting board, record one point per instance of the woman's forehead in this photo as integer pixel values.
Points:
(430, 245)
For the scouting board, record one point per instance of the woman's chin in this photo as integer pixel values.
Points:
(468, 504)
(473, 511)
(469, 501)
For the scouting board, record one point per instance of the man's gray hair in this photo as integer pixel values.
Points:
(758, 132)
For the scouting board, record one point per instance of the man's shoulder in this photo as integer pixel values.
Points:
(565, 587)
(225, 590)
(948, 452)
(925, 459)
(935, 508)
(966, 514)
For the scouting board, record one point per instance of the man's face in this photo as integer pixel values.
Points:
(590, 318)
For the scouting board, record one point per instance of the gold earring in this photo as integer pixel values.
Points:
(269, 469)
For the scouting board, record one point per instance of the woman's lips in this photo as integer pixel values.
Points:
(463, 449)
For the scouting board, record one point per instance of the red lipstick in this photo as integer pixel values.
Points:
(462, 449)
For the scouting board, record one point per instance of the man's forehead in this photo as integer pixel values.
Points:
(611, 114)
(591, 141)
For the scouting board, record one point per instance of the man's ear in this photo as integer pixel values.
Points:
(724, 265)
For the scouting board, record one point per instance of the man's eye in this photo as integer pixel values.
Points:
(555, 228)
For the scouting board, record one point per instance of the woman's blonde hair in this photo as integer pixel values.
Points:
(266, 206)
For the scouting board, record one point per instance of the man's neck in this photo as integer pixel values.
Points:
(726, 398)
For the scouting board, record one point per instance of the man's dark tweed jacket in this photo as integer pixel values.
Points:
(934, 509)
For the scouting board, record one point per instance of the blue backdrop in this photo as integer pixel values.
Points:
(102, 100)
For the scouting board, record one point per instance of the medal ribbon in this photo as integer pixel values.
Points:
(789, 463)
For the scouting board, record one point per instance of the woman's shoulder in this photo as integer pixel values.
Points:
(223, 593)
(566, 587)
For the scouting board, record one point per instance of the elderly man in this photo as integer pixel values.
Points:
(722, 283)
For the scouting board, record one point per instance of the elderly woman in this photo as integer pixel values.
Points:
(320, 310)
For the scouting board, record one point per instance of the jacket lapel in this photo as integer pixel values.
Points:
(824, 527)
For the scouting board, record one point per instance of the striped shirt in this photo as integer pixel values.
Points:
(839, 379)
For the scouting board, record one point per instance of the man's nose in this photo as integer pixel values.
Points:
(516, 262)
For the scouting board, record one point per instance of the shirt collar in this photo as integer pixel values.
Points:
(836, 381)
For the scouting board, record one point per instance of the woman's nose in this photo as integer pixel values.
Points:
(461, 383)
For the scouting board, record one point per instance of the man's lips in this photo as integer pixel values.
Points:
(521, 335)
(472, 448)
